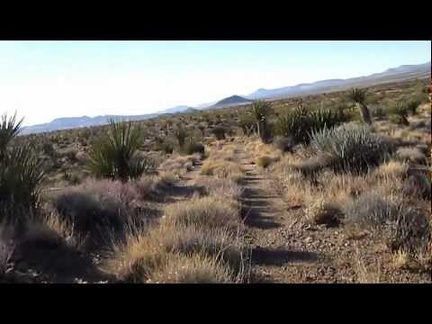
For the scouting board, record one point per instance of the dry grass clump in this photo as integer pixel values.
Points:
(206, 211)
(223, 169)
(326, 213)
(177, 165)
(197, 241)
(218, 187)
(403, 226)
(154, 187)
(391, 169)
(264, 161)
(6, 251)
(135, 260)
(411, 154)
(192, 269)
(101, 210)
(218, 243)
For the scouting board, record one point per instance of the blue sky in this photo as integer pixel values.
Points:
(47, 80)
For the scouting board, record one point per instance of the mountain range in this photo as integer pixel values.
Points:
(401, 73)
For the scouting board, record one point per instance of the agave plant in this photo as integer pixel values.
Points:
(116, 156)
(260, 110)
(359, 97)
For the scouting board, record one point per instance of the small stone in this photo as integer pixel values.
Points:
(308, 239)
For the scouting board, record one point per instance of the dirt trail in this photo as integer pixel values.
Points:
(273, 256)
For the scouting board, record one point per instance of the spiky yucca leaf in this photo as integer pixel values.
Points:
(181, 135)
(9, 128)
(21, 173)
(351, 148)
(412, 106)
(116, 155)
(260, 109)
(301, 122)
(358, 95)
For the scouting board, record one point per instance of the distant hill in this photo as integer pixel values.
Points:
(404, 72)
(401, 73)
(230, 101)
(175, 109)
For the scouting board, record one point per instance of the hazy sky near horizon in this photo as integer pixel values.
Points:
(43, 80)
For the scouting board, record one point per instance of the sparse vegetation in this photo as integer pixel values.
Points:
(191, 200)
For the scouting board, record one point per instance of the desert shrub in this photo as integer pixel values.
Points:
(223, 169)
(370, 209)
(411, 154)
(351, 148)
(192, 269)
(6, 250)
(379, 112)
(417, 185)
(181, 135)
(412, 106)
(116, 155)
(208, 212)
(134, 260)
(88, 213)
(247, 125)
(219, 132)
(193, 147)
(321, 212)
(404, 227)
(100, 208)
(399, 113)
(219, 187)
(264, 161)
(48, 149)
(310, 167)
(219, 244)
(285, 144)
(154, 187)
(168, 148)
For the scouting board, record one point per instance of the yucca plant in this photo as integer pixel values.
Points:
(412, 106)
(9, 128)
(21, 173)
(351, 148)
(294, 124)
(359, 97)
(181, 135)
(260, 111)
(400, 113)
(116, 155)
(299, 123)
(247, 124)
